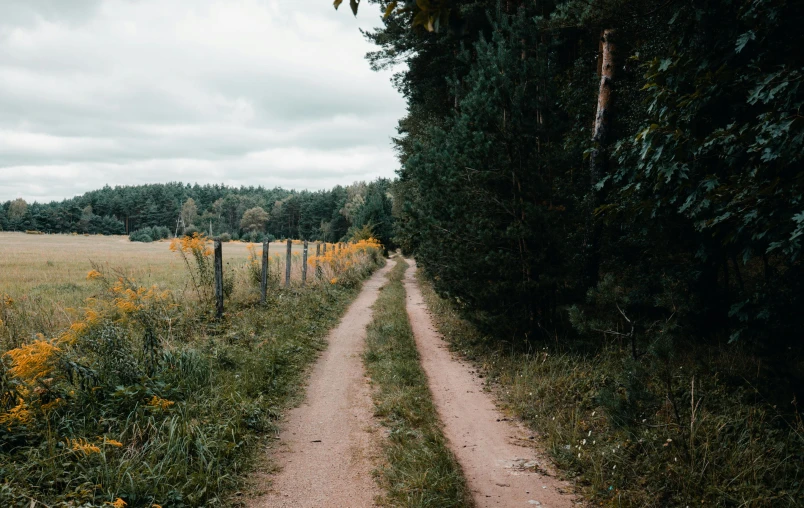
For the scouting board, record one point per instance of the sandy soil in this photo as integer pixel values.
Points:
(501, 466)
(328, 446)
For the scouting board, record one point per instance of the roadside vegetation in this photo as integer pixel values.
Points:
(144, 399)
(684, 432)
(419, 469)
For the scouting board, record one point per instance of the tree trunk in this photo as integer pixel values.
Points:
(597, 159)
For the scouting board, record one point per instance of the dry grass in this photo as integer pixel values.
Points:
(47, 273)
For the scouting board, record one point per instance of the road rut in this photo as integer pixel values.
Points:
(329, 444)
(497, 459)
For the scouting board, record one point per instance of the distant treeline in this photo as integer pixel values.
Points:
(329, 215)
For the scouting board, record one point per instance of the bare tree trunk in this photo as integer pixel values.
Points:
(597, 159)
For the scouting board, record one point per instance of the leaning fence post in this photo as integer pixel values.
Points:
(304, 264)
(218, 279)
(287, 264)
(264, 280)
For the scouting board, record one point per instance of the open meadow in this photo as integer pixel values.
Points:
(47, 274)
(119, 386)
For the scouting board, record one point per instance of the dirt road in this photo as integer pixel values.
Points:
(329, 443)
(496, 458)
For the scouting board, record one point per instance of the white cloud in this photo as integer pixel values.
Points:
(271, 92)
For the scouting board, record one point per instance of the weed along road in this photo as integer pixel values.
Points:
(328, 444)
(500, 465)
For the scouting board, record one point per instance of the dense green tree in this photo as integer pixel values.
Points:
(689, 207)
(254, 219)
(17, 209)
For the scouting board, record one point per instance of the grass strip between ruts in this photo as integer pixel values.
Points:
(419, 469)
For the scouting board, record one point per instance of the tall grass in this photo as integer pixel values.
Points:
(143, 398)
(419, 469)
(691, 432)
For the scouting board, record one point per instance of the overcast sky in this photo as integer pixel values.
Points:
(253, 92)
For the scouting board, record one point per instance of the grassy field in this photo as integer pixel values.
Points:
(47, 274)
(120, 387)
(43, 264)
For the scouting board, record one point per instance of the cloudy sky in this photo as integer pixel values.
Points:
(252, 92)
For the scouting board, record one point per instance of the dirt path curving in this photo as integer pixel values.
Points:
(497, 459)
(328, 444)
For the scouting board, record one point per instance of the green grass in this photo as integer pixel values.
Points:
(419, 469)
(224, 385)
(635, 433)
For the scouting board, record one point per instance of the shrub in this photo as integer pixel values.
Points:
(191, 231)
(160, 233)
(142, 235)
(225, 237)
(253, 237)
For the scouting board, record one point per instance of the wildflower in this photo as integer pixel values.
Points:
(94, 274)
(51, 405)
(333, 280)
(117, 503)
(82, 445)
(112, 442)
(32, 361)
(160, 403)
(78, 327)
(19, 414)
(91, 316)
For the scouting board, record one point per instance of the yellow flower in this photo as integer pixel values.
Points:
(112, 442)
(158, 402)
(82, 445)
(32, 361)
(19, 414)
(78, 327)
(51, 405)
(333, 280)
(92, 316)
(94, 274)
(117, 503)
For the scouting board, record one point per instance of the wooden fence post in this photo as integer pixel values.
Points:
(264, 280)
(287, 264)
(218, 279)
(317, 260)
(304, 264)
